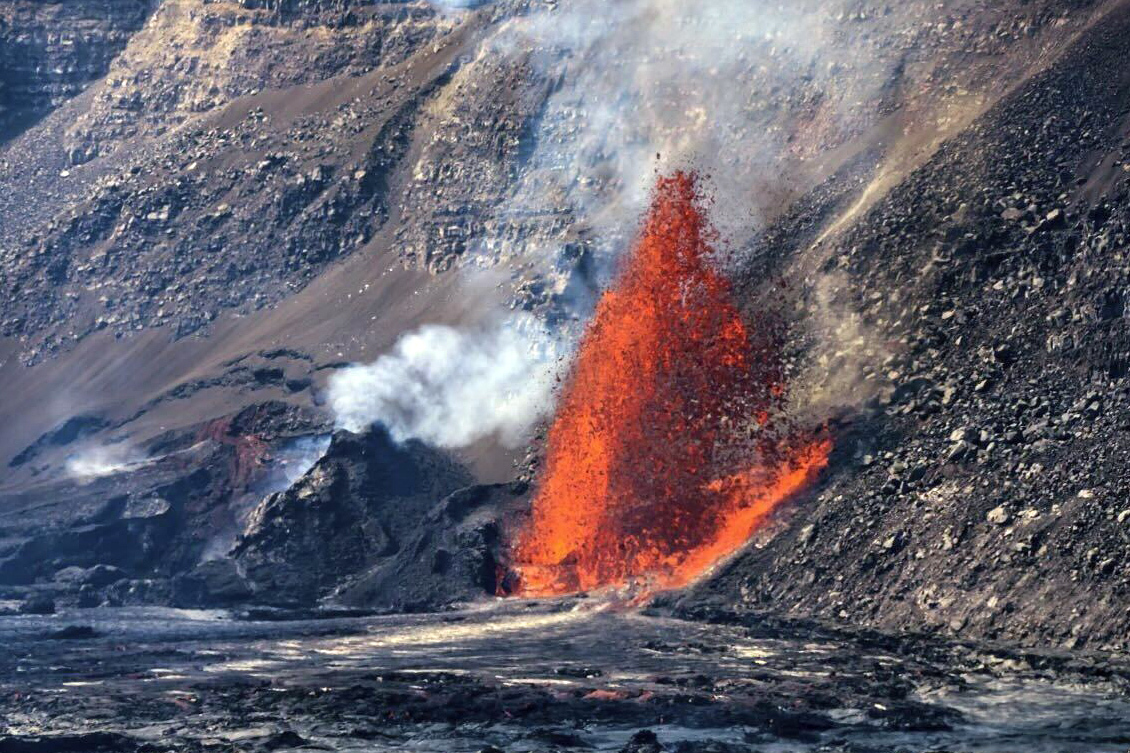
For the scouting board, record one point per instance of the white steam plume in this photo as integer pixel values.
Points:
(760, 96)
(451, 387)
(103, 460)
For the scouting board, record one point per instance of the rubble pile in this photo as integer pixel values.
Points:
(377, 525)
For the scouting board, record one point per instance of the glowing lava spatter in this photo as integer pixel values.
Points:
(670, 394)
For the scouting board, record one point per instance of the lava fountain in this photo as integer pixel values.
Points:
(670, 445)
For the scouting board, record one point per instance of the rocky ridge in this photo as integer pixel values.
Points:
(233, 151)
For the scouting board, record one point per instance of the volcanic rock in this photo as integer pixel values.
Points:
(1035, 368)
(49, 51)
(74, 633)
(998, 516)
(364, 526)
(456, 556)
(38, 604)
(88, 598)
(97, 576)
(644, 741)
(148, 522)
(210, 584)
(89, 742)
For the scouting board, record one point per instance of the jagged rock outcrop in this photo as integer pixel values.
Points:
(233, 152)
(376, 524)
(139, 520)
(457, 553)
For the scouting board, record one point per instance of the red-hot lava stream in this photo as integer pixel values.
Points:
(669, 447)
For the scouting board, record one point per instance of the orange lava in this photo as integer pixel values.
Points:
(671, 392)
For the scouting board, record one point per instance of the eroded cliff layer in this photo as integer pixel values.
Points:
(50, 51)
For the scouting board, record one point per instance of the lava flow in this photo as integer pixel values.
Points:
(669, 448)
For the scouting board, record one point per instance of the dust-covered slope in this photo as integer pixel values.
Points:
(247, 178)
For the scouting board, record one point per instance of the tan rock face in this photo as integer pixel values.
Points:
(234, 150)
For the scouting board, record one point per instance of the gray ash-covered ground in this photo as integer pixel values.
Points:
(575, 675)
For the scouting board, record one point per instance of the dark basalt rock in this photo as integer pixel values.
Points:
(89, 742)
(211, 584)
(38, 604)
(126, 537)
(644, 741)
(134, 534)
(95, 577)
(362, 526)
(69, 431)
(74, 633)
(455, 555)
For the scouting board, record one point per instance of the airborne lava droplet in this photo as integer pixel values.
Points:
(668, 449)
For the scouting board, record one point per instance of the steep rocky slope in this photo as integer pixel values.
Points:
(231, 209)
(256, 176)
(983, 491)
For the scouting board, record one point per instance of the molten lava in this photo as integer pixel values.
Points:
(671, 392)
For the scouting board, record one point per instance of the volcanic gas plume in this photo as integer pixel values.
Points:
(670, 444)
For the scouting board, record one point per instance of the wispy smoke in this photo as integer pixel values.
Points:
(736, 88)
(759, 96)
(291, 462)
(103, 460)
(451, 387)
(743, 90)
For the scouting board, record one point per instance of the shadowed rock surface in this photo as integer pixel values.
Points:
(49, 51)
(456, 554)
(362, 508)
(120, 529)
